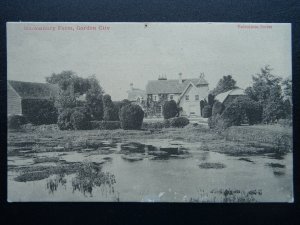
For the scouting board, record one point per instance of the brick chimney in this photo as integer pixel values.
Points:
(180, 78)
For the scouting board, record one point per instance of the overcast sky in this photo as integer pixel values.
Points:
(133, 52)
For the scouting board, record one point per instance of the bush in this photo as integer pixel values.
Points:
(39, 111)
(131, 117)
(64, 119)
(79, 120)
(170, 109)
(253, 111)
(105, 125)
(217, 108)
(179, 122)
(111, 112)
(285, 122)
(15, 121)
(233, 114)
(216, 122)
(206, 112)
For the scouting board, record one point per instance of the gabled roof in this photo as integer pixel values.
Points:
(135, 93)
(237, 91)
(32, 90)
(172, 86)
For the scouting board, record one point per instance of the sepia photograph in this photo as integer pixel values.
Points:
(149, 112)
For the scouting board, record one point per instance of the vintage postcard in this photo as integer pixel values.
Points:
(149, 112)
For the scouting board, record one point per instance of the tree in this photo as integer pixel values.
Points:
(69, 79)
(170, 109)
(111, 112)
(225, 84)
(94, 101)
(266, 90)
(131, 117)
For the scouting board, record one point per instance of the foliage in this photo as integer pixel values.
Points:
(206, 112)
(266, 90)
(179, 122)
(111, 112)
(105, 125)
(233, 114)
(40, 111)
(225, 84)
(94, 99)
(170, 109)
(131, 117)
(64, 119)
(211, 99)
(217, 108)
(67, 79)
(79, 120)
(15, 121)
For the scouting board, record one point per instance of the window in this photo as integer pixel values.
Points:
(196, 97)
(171, 97)
(187, 97)
(154, 97)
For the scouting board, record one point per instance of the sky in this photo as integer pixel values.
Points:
(122, 53)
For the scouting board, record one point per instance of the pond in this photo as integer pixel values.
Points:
(152, 170)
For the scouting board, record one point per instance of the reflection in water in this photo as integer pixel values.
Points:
(89, 176)
(52, 183)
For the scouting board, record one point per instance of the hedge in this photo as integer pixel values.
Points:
(39, 111)
(105, 125)
(79, 120)
(170, 109)
(15, 121)
(179, 122)
(206, 112)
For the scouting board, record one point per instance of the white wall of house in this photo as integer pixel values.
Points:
(190, 102)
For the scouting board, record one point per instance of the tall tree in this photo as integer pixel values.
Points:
(94, 101)
(225, 84)
(266, 90)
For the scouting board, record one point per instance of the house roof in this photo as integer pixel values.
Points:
(172, 86)
(237, 91)
(32, 90)
(135, 93)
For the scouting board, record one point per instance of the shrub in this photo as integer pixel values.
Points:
(170, 109)
(216, 122)
(79, 120)
(179, 122)
(111, 112)
(64, 119)
(233, 114)
(217, 108)
(206, 112)
(15, 121)
(40, 111)
(105, 125)
(253, 111)
(131, 117)
(285, 122)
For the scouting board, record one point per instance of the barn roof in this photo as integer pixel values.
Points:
(237, 91)
(172, 86)
(32, 90)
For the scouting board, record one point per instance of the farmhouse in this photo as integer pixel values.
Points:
(21, 95)
(136, 95)
(186, 92)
